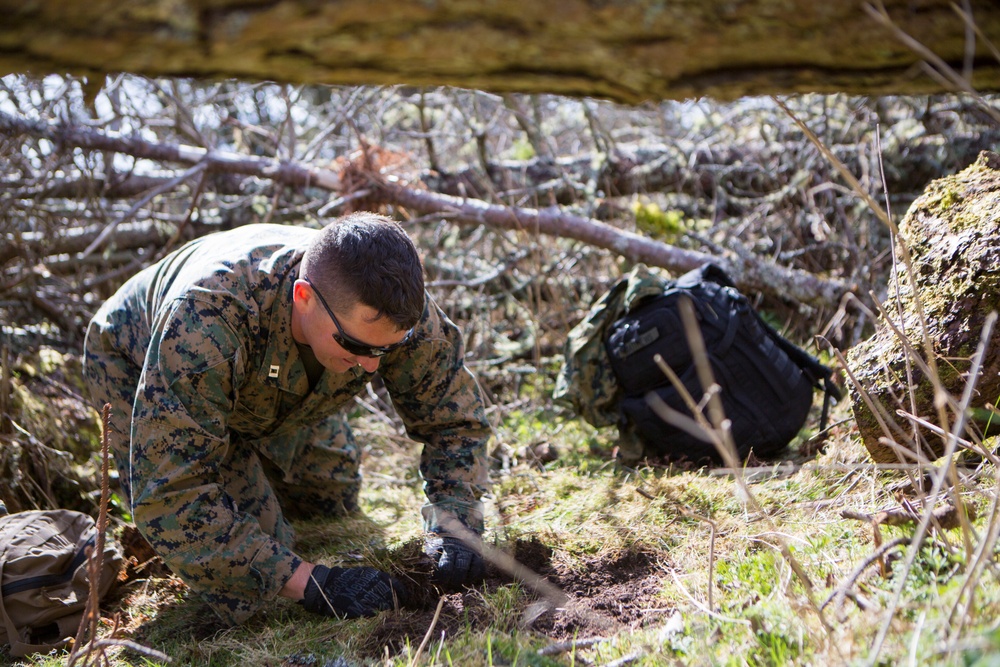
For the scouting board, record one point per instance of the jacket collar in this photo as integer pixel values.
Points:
(282, 365)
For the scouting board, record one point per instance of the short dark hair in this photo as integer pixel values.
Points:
(367, 258)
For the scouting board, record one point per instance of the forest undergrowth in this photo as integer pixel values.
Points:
(820, 557)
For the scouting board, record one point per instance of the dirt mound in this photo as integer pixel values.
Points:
(605, 595)
(602, 597)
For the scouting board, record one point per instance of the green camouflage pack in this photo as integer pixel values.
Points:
(45, 576)
(586, 382)
(221, 438)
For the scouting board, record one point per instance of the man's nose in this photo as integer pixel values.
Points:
(370, 364)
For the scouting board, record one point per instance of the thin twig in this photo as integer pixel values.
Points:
(720, 434)
(563, 647)
(904, 250)
(699, 605)
(132, 646)
(929, 369)
(981, 558)
(86, 636)
(169, 185)
(554, 596)
(427, 635)
(877, 555)
(711, 552)
(955, 80)
(874, 407)
(624, 660)
(897, 292)
(967, 18)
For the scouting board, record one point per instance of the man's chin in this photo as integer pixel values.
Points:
(340, 365)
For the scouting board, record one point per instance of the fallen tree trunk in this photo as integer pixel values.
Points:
(691, 168)
(907, 376)
(630, 51)
(117, 186)
(289, 173)
(739, 174)
(126, 236)
(748, 272)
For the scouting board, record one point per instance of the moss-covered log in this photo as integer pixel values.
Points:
(953, 235)
(629, 51)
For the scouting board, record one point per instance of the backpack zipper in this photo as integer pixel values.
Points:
(50, 579)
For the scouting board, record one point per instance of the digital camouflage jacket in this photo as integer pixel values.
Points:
(210, 328)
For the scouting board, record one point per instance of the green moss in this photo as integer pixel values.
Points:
(653, 220)
(522, 150)
(948, 199)
(977, 214)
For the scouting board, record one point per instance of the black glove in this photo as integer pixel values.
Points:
(352, 592)
(457, 564)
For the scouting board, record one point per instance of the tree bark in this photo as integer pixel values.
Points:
(669, 168)
(933, 326)
(629, 51)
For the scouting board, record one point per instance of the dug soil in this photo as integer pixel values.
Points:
(604, 596)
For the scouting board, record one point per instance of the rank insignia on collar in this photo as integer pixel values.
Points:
(273, 372)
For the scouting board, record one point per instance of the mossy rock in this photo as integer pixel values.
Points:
(49, 402)
(952, 232)
(49, 456)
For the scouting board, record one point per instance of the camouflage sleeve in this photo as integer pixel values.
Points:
(442, 407)
(180, 439)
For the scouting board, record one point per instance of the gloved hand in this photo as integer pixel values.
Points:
(352, 592)
(457, 564)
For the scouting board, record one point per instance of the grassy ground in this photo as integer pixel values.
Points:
(646, 566)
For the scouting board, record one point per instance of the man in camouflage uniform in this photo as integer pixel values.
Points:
(227, 364)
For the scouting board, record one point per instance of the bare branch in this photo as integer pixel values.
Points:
(747, 271)
(281, 171)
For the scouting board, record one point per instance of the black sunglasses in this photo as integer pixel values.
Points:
(353, 345)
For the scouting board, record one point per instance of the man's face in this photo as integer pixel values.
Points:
(314, 325)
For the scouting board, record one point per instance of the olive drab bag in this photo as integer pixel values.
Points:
(766, 381)
(44, 578)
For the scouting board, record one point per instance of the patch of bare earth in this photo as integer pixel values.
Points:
(604, 596)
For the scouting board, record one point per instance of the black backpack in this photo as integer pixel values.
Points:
(767, 382)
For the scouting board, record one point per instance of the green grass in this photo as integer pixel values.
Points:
(687, 599)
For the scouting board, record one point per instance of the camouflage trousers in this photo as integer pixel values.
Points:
(323, 481)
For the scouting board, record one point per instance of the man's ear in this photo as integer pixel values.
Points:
(301, 294)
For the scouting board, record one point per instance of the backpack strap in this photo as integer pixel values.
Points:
(819, 375)
(709, 305)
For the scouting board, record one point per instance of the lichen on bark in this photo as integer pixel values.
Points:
(952, 233)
